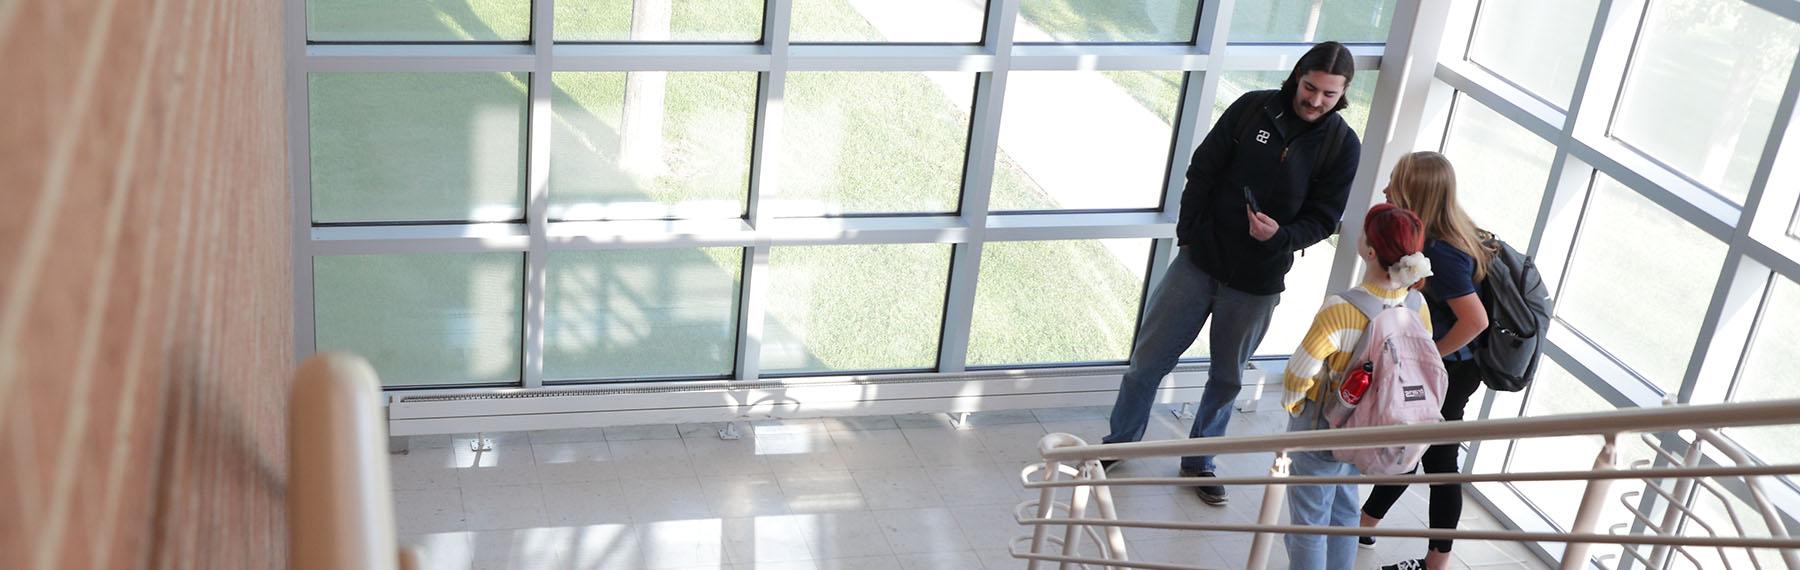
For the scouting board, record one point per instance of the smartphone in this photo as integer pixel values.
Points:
(1250, 199)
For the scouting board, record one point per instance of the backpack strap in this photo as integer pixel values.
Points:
(1247, 121)
(1334, 139)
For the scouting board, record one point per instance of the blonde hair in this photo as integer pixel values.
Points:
(1425, 183)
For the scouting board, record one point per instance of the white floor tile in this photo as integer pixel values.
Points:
(908, 488)
(732, 496)
(585, 503)
(860, 563)
(521, 548)
(424, 468)
(604, 546)
(966, 560)
(999, 559)
(423, 511)
(1173, 551)
(825, 491)
(442, 550)
(874, 449)
(765, 539)
(504, 507)
(843, 535)
(988, 527)
(574, 462)
(672, 498)
(941, 447)
(650, 459)
(714, 457)
(581, 435)
(974, 485)
(1012, 441)
(506, 464)
(912, 531)
(682, 544)
(643, 432)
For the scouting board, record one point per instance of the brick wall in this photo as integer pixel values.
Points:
(145, 327)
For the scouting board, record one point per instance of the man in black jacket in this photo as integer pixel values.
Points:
(1270, 179)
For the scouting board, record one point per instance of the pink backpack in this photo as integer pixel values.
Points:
(1406, 387)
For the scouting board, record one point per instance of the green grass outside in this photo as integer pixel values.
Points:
(868, 142)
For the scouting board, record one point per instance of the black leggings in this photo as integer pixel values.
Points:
(1446, 498)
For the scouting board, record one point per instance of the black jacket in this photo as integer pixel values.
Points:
(1278, 167)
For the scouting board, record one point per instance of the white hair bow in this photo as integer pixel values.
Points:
(1409, 270)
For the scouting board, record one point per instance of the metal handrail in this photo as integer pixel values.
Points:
(340, 508)
(1070, 463)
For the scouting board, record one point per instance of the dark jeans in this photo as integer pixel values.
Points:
(1446, 498)
(1181, 304)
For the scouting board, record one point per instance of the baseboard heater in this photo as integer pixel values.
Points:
(721, 401)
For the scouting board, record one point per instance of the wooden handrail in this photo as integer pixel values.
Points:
(340, 508)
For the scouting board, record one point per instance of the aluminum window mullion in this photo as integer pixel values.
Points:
(765, 141)
(537, 189)
(1741, 288)
(299, 177)
(1413, 42)
(977, 186)
(418, 58)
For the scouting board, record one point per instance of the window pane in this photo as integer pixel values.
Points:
(1556, 392)
(1310, 21)
(641, 313)
(1235, 84)
(651, 145)
(418, 21)
(1769, 371)
(421, 319)
(417, 146)
(1095, 21)
(915, 21)
(1631, 255)
(1306, 288)
(854, 307)
(1112, 155)
(659, 20)
(1057, 301)
(1692, 56)
(872, 142)
(1536, 44)
(1501, 170)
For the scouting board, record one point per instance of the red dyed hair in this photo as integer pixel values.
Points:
(1394, 232)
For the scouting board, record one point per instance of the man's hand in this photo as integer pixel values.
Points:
(1262, 227)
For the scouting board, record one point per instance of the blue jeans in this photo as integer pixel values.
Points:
(1178, 308)
(1320, 505)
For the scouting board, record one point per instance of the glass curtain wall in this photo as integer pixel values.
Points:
(495, 194)
(1635, 148)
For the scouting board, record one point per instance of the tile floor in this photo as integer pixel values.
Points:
(884, 492)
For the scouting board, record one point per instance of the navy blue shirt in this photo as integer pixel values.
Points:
(1452, 276)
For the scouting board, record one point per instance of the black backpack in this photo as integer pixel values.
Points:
(1518, 307)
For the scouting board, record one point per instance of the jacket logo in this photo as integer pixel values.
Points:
(1262, 136)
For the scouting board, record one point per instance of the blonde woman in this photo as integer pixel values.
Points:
(1425, 183)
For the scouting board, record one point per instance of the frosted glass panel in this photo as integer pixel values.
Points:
(1113, 155)
(659, 20)
(1769, 373)
(1557, 392)
(651, 145)
(418, 20)
(641, 313)
(1100, 21)
(1536, 44)
(1692, 55)
(1312, 21)
(867, 142)
(1057, 301)
(854, 307)
(1631, 255)
(392, 147)
(912, 21)
(422, 319)
(1501, 170)
(1235, 84)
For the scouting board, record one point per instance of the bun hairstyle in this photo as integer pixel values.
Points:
(1394, 233)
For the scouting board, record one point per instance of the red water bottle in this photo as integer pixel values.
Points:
(1356, 384)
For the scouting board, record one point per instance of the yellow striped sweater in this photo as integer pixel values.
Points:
(1326, 350)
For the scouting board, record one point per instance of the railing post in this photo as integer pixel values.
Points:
(1575, 555)
(1273, 495)
(1115, 536)
(340, 510)
(1684, 490)
(1077, 511)
(1046, 508)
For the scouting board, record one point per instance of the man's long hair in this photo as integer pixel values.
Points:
(1329, 57)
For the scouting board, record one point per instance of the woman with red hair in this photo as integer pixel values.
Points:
(1393, 269)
